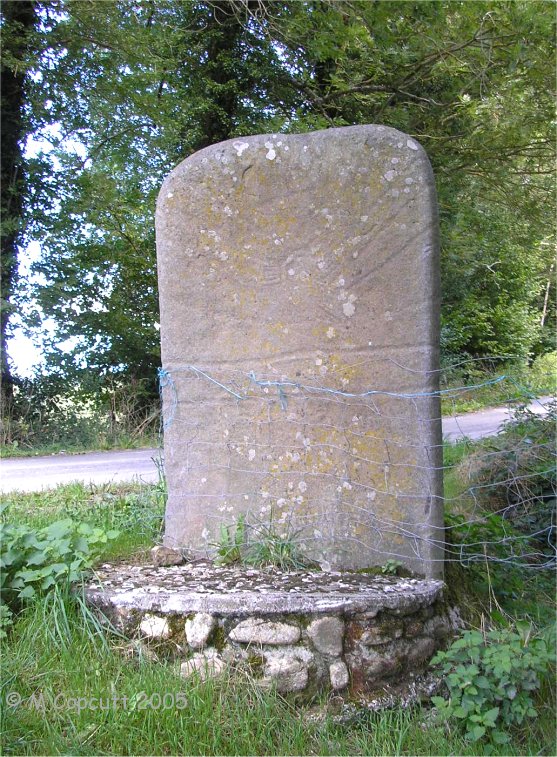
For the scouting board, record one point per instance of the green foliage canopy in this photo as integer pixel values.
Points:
(140, 86)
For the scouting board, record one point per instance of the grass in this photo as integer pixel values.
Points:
(59, 657)
(97, 443)
(520, 384)
(58, 654)
(135, 510)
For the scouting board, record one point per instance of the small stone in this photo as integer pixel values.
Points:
(165, 556)
(382, 666)
(198, 629)
(208, 664)
(287, 671)
(338, 674)
(438, 627)
(259, 631)
(154, 627)
(326, 635)
(377, 635)
(421, 651)
(413, 627)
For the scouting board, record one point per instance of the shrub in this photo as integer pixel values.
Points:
(491, 678)
(33, 561)
(514, 472)
(543, 373)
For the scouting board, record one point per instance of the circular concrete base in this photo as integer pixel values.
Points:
(297, 631)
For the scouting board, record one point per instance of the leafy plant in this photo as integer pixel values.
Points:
(491, 678)
(391, 567)
(33, 561)
(543, 374)
(6, 620)
(231, 543)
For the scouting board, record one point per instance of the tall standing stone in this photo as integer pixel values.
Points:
(299, 294)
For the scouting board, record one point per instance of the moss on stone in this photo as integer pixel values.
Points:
(217, 638)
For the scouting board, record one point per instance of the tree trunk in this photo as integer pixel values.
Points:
(18, 22)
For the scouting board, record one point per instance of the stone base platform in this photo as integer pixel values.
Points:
(300, 631)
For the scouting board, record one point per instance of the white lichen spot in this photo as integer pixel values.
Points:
(388, 315)
(389, 175)
(348, 306)
(346, 485)
(394, 161)
(305, 148)
(409, 180)
(278, 241)
(170, 194)
(371, 495)
(317, 533)
(291, 272)
(319, 361)
(395, 193)
(251, 454)
(331, 333)
(412, 145)
(302, 486)
(363, 219)
(205, 534)
(271, 152)
(227, 211)
(240, 147)
(265, 495)
(321, 264)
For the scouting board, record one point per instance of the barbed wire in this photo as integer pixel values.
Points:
(301, 458)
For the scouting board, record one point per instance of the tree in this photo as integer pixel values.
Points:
(140, 86)
(18, 25)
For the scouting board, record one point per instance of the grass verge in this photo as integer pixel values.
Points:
(83, 691)
(83, 694)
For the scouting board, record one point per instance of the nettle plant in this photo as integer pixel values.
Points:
(491, 678)
(33, 561)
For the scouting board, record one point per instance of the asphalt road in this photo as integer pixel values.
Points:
(37, 473)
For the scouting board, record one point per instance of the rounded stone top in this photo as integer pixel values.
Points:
(203, 587)
(300, 150)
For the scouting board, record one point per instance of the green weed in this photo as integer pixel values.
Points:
(491, 678)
